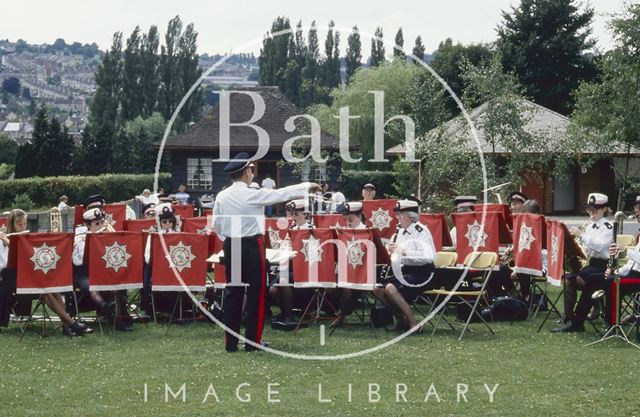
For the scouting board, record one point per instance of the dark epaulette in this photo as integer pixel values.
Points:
(608, 225)
(419, 228)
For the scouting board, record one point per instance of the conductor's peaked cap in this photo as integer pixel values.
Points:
(238, 163)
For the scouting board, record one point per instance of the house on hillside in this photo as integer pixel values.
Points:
(555, 195)
(193, 151)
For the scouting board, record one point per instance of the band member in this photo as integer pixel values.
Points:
(149, 211)
(352, 213)
(516, 201)
(238, 214)
(596, 239)
(532, 207)
(463, 204)
(412, 256)
(629, 273)
(282, 296)
(17, 223)
(336, 197)
(368, 192)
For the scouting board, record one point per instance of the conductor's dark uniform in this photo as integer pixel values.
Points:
(238, 214)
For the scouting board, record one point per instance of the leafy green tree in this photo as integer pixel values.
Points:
(545, 43)
(399, 53)
(132, 95)
(418, 48)
(606, 113)
(26, 161)
(354, 53)
(377, 48)
(331, 65)
(8, 150)
(149, 70)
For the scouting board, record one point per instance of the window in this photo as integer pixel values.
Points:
(199, 175)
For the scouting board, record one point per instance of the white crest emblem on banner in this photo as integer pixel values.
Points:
(355, 254)
(274, 238)
(312, 249)
(180, 256)
(45, 258)
(475, 235)
(526, 238)
(380, 219)
(555, 248)
(116, 256)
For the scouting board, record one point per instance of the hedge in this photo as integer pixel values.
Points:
(350, 183)
(47, 191)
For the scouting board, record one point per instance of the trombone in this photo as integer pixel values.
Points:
(495, 190)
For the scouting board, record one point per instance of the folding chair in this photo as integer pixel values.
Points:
(442, 260)
(479, 261)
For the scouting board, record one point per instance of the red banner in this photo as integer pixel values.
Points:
(437, 225)
(115, 260)
(198, 225)
(555, 251)
(356, 259)
(140, 225)
(504, 209)
(4, 224)
(314, 265)
(184, 211)
(78, 211)
(116, 215)
(329, 221)
(42, 261)
(185, 257)
(470, 232)
(275, 231)
(379, 215)
(529, 232)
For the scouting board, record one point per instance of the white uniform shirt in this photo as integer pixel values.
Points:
(78, 248)
(454, 237)
(417, 244)
(632, 263)
(239, 210)
(4, 255)
(597, 238)
(268, 183)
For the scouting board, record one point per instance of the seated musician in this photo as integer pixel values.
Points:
(352, 213)
(463, 204)
(596, 239)
(17, 224)
(629, 273)
(94, 221)
(524, 280)
(282, 295)
(516, 201)
(412, 256)
(164, 301)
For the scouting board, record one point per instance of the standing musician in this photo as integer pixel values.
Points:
(412, 255)
(368, 192)
(238, 214)
(596, 239)
(352, 213)
(18, 224)
(281, 295)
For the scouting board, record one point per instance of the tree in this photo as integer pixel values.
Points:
(377, 48)
(25, 161)
(399, 53)
(418, 48)
(331, 65)
(606, 113)
(149, 71)
(354, 53)
(11, 85)
(446, 62)
(274, 53)
(132, 95)
(545, 43)
(8, 150)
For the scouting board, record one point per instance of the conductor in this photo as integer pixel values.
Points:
(238, 214)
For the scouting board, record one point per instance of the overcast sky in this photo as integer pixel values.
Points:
(225, 25)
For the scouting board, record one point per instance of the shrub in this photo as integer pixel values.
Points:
(47, 191)
(22, 201)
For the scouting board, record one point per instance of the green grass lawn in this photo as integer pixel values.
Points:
(539, 374)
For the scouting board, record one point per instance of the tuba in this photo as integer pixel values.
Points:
(55, 220)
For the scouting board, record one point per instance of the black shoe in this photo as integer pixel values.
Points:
(107, 309)
(570, 327)
(80, 328)
(124, 326)
(231, 349)
(251, 348)
(67, 331)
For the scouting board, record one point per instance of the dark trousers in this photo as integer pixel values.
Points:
(253, 273)
(593, 276)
